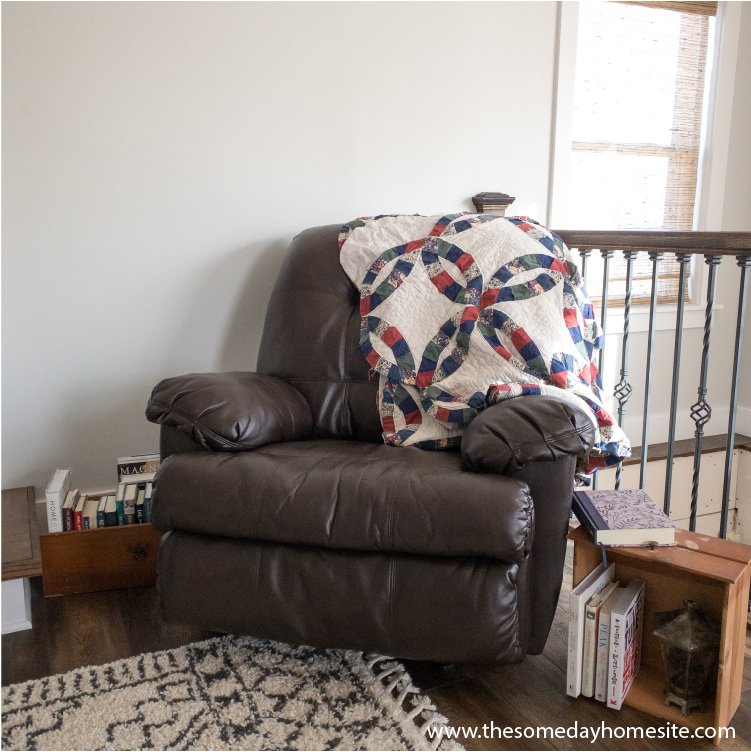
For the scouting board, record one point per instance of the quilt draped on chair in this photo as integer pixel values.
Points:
(464, 310)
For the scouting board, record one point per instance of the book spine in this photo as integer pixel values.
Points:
(139, 513)
(86, 522)
(632, 659)
(573, 664)
(147, 502)
(67, 519)
(615, 693)
(101, 518)
(54, 513)
(589, 654)
(587, 515)
(78, 520)
(110, 519)
(120, 512)
(601, 673)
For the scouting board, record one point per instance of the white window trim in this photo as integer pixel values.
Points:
(714, 157)
(693, 317)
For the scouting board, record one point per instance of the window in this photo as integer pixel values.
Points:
(638, 96)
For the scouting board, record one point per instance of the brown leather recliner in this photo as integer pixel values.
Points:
(289, 518)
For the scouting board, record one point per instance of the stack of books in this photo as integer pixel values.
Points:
(606, 618)
(604, 638)
(129, 504)
(623, 518)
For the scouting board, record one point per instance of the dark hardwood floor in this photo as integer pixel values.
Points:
(81, 630)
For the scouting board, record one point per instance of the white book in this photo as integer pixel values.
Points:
(89, 514)
(129, 504)
(625, 642)
(603, 644)
(57, 490)
(591, 618)
(591, 584)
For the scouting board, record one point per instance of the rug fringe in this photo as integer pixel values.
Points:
(398, 683)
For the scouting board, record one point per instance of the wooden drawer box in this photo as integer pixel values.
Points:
(713, 572)
(84, 561)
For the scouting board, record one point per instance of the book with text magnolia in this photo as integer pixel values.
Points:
(141, 467)
(595, 581)
(622, 518)
(625, 642)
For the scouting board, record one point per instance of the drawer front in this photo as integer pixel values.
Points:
(85, 561)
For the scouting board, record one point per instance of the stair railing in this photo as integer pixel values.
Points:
(714, 246)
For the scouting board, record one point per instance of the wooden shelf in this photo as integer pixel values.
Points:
(714, 573)
(647, 694)
(105, 558)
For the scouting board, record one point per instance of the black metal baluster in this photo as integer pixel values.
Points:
(744, 262)
(606, 256)
(584, 253)
(701, 412)
(623, 389)
(656, 256)
(683, 259)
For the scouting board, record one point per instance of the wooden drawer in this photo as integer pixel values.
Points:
(713, 572)
(84, 561)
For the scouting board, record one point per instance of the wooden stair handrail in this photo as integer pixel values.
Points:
(674, 241)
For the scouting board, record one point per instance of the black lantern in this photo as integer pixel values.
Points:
(690, 648)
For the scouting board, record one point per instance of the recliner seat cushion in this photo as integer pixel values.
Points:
(347, 495)
(464, 610)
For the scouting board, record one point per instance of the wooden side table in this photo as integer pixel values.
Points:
(713, 572)
(21, 557)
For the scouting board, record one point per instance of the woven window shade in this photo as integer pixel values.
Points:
(641, 286)
(637, 129)
(691, 6)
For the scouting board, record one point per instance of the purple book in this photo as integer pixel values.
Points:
(623, 518)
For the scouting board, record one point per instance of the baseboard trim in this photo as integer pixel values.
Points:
(16, 626)
(659, 425)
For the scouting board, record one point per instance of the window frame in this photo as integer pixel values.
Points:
(713, 153)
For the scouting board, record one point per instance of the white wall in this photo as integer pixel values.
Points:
(159, 157)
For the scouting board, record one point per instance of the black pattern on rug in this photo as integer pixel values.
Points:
(225, 693)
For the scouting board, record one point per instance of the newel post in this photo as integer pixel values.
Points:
(492, 203)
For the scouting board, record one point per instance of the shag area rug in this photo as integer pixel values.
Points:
(226, 693)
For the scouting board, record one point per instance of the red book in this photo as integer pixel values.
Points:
(78, 513)
(626, 624)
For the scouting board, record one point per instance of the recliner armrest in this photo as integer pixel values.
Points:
(507, 435)
(231, 412)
